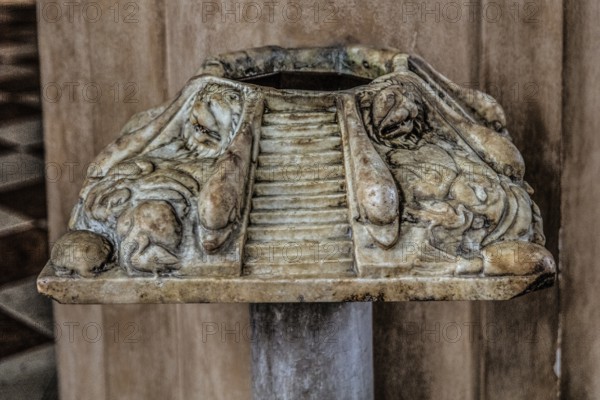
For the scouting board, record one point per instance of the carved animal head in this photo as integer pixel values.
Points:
(213, 121)
(395, 118)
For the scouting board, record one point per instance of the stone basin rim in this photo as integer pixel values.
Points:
(356, 60)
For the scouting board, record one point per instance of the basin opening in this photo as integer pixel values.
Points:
(308, 80)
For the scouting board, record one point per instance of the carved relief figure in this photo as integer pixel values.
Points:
(461, 183)
(424, 162)
(158, 194)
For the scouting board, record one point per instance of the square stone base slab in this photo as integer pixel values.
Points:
(115, 287)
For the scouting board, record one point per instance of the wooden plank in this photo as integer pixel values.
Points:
(67, 129)
(79, 356)
(426, 350)
(214, 351)
(141, 350)
(580, 320)
(67, 117)
(199, 30)
(522, 66)
(127, 64)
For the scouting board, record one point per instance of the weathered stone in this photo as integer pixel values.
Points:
(385, 181)
(81, 252)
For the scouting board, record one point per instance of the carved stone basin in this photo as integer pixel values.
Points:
(306, 175)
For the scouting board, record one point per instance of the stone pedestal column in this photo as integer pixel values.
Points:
(312, 351)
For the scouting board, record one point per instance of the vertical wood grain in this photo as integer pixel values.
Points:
(68, 123)
(127, 59)
(67, 132)
(141, 352)
(522, 67)
(214, 351)
(426, 351)
(580, 278)
(79, 358)
(196, 30)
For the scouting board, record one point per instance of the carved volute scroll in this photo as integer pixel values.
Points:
(392, 184)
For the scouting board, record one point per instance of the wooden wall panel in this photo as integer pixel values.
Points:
(196, 30)
(143, 55)
(580, 277)
(68, 122)
(80, 361)
(100, 64)
(214, 351)
(426, 351)
(522, 67)
(68, 129)
(127, 63)
(141, 350)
